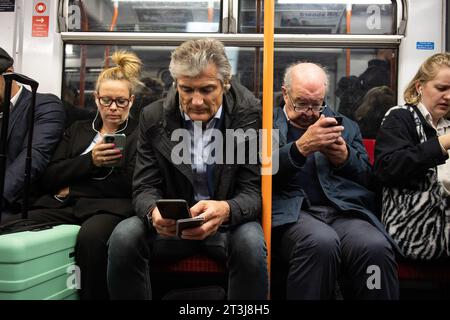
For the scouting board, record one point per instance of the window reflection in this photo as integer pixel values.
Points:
(316, 17)
(369, 68)
(147, 16)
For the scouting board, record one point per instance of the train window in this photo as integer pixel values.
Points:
(83, 64)
(352, 76)
(321, 17)
(146, 16)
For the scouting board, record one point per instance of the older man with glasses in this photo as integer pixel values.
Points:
(324, 223)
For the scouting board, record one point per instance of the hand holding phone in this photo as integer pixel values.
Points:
(189, 223)
(339, 120)
(119, 140)
(173, 208)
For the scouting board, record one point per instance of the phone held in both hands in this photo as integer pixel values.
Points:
(119, 140)
(173, 208)
(178, 209)
(189, 223)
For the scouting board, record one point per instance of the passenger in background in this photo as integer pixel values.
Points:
(89, 180)
(228, 196)
(378, 72)
(48, 129)
(323, 220)
(75, 112)
(412, 163)
(351, 90)
(374, 105)
(151, 91)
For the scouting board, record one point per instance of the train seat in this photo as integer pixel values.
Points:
(189, 278)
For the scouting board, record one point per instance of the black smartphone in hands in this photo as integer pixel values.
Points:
(173, 208)
(189, 223)
(339, 120)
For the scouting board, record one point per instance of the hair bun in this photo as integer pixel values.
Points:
(128, 62)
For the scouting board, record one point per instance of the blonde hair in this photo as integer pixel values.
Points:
(128, 68)
(427, 72)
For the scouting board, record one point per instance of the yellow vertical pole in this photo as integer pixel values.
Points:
(267, 121)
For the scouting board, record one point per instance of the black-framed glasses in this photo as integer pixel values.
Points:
(108, 101)
(305, 106)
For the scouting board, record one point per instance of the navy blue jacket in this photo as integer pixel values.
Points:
(347, 187)
(49, 122)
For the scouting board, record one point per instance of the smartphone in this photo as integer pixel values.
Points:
(173, 208)
(189, 223)
(119, 140)
(339, 120)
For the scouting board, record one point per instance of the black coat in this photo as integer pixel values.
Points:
(156, 176)
(87, 195)
(400, 158)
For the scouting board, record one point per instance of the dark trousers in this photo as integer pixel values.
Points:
(346, 248)
(91, 251)
(133, 248)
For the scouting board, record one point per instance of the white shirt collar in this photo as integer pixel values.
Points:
(442, 123)
(16, 96)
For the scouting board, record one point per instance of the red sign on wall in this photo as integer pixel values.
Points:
(41, 20)
(40, 26)
(40, 7)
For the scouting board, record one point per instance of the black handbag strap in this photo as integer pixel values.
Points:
(9, 78)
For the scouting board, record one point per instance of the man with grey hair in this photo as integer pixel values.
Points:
(228, 197)
(324, 226)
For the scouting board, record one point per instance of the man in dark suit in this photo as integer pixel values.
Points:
(203, 103)
(324, 226)
(49, 123)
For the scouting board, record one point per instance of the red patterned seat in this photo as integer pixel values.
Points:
(197, 263)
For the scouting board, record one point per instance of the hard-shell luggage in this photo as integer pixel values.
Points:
(38, 263)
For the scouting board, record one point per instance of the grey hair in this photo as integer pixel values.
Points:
(287, 80)
(192, 57)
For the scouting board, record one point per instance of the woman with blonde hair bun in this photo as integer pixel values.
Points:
(89, 177)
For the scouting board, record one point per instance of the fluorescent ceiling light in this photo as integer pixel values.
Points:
(336, 1)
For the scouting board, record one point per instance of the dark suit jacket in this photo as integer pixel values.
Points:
(49, 123)
(156, 176)
(89, 194)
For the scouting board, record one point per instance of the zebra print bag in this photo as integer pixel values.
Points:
(418, 219)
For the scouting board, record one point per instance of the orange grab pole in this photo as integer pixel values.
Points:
(267, 122)
(347, 53)
(111, 28)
